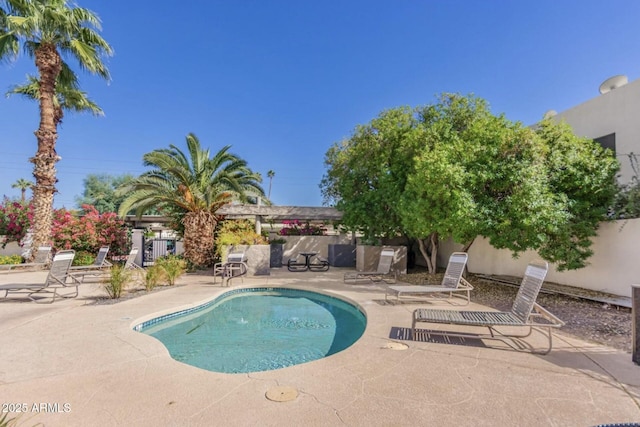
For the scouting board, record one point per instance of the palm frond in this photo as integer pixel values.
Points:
(191, 180)
(67, 97)
(71, 30)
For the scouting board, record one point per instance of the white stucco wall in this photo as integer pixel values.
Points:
(12, 248)
(613, 112)
(613, 268)
(320, 244)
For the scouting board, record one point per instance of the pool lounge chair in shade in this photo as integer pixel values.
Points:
(525, 313)
(57, 279)
(452, 282)
(381, 274)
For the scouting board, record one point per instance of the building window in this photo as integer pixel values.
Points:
(607, 141)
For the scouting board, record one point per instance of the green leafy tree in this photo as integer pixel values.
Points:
(23, 185)
(627, 201)
(367, 172)
(479, 175)
(454, 169)
(46, 29)
(583, 175)
(190, 187)
(100, 191)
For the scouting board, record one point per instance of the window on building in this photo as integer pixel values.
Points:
(607, 141)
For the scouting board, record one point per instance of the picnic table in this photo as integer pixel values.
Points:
(312, 262)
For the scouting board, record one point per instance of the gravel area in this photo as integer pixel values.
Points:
(587, 320)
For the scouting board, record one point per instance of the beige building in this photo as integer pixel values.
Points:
(612, 118)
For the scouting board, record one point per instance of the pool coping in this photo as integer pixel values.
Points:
(140, 323)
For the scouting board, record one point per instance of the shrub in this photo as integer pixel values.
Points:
(90, 231)
(627, 201)
(296, 228)
(237, 232)
(172, 266)
(152, 276)
(10, 259)
(117, 281)
(83, 258)
(15, 220)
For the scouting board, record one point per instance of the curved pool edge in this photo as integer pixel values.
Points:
(135, 325)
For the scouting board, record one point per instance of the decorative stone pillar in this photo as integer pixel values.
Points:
(137, 241)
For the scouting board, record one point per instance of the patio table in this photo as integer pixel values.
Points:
(293, 265)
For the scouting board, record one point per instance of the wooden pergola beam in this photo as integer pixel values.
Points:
(282, 212)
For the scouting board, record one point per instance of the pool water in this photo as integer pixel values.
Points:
(251, 330)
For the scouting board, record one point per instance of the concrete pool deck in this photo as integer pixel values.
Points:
(74, 363)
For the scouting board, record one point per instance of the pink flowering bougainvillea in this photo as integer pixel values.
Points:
(86, 232)
(296, 228)
(15, 220)
(90, 231)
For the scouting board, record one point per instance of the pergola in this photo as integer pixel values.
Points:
(279, 213)
(259, 212)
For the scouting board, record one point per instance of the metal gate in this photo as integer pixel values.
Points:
(157, 248)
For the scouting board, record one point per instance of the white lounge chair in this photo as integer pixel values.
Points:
(525, 313)
(99, 267)
(384, 269)
(234, 266)
(130, 263)
(98, 264)
(452, 282)
(42, 259)
(58, 278)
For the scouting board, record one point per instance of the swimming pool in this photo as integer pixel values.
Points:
(258, 329)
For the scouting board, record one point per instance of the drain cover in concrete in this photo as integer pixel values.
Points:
(282, 394)
(395, 346)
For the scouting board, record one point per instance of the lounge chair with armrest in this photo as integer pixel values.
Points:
(57, 279)
(130, 263)
(234, 266)
(384, 269)
(452, 282)
(99, 267)
(525, 312)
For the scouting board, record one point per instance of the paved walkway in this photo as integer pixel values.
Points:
(73, 363)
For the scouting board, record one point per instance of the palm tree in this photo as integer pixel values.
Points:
(22, 184)
(270, 175)
(190, 187)
(46, 29)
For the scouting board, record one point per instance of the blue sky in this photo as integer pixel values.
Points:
(281, 81)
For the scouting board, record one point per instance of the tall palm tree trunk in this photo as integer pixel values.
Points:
(199, 227)
(49, 64)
